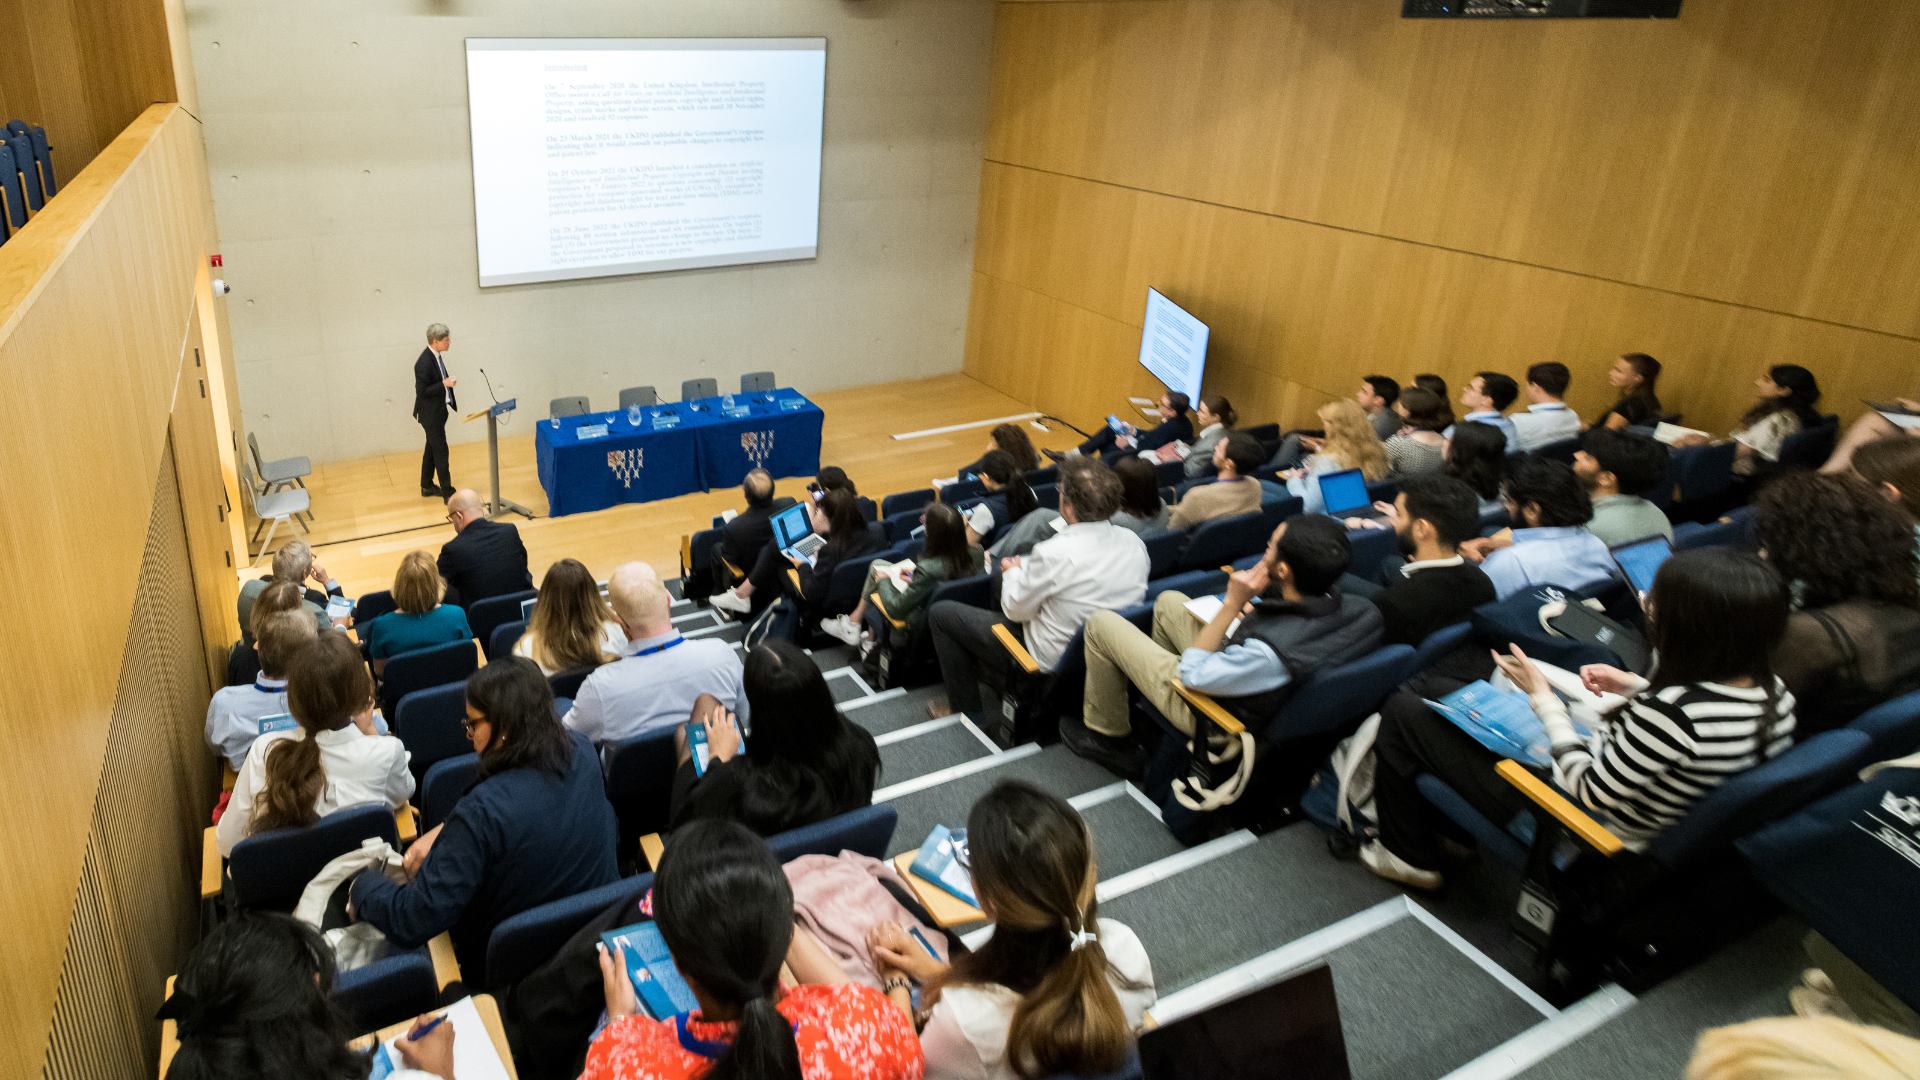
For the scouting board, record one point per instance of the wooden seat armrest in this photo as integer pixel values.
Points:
(652, 846)
(169, 1034)
(406, 820)
(1209, 708)
(732, 569)
(446, 967)
(209, 864)
(793, 575)
(686, 550)
(898, 624)
(1016, 650)
(1591, 832)
(228, 777)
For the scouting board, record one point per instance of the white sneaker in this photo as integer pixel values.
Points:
(866, 646)
(841, 627)
(728, 600)
(1394, 868)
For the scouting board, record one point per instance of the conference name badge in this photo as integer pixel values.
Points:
(758, 446)
(626, 465)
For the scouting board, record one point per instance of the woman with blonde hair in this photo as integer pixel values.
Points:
(1803, 1048)
(331, 758)
(1350, 443)
(572, 625)
(1057, 989)
(420, 619)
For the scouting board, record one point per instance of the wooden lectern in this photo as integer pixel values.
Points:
(497, 506)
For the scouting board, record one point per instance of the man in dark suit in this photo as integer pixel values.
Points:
(485, 559)
(432, 400)
(742, 538)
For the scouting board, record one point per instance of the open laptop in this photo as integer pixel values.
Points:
(1288, 1030)
(1345, 494)
(1640, 560)
(793, 531)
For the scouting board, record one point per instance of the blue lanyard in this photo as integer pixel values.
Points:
(662, 647)
(270, 689)
(706, 1048)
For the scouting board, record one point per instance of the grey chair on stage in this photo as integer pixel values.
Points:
(642, 396)
(694, 389)
(568, 406)
(283, 473)
(756, 382)
(274, 507)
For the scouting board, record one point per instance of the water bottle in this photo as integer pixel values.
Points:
(726, 403)
(633, 415)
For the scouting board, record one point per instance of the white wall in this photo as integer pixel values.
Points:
(338, 142)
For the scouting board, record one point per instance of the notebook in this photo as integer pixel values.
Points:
(656, 981)
(793, 531)
(1897, 414)
(1673, 433)
(474, 1055)
(942, 861)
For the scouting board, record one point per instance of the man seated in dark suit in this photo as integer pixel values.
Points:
(742, 538)
(1436, 587)
(485, 559)
(1110, 447)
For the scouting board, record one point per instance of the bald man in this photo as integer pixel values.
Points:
(485, 558)
(654, 685)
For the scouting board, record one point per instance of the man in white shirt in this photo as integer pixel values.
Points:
(1046, 595)
(1547, 420)
(235, 713)
(1485, 397)
(654, 685)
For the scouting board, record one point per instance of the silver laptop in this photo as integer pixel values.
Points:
(793, 531)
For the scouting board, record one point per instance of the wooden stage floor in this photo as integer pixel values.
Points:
(368, 514)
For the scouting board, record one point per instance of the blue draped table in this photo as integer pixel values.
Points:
(707, 450)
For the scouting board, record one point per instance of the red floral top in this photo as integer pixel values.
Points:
(845, 1032)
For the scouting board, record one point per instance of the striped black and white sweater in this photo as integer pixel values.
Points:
(1664, 751)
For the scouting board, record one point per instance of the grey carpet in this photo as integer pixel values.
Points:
(927, 753)
(1055, 768)
(893, 713)
(1412, 1006)
(1242, 904)
(1126, 837)
(1654, 1038)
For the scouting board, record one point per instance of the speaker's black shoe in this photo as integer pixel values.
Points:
(430, 493)
(1054, 455)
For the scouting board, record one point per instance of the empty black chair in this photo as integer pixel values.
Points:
(640, 785)
(1222, 540)
(504, 638)
(695, 389)
(566, 684)
(1163, 553)
(568, 406)
(756, 382)
(271, 869)
(643, 396)
(902, 501)
(43, 157)
(495, 611)
(444, 784)
(436, 665)
(1809, 449)
(433, 725)
(369, 607)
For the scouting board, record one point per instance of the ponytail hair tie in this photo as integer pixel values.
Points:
(1080, 939)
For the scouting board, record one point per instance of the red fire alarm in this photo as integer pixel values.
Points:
(216, 261)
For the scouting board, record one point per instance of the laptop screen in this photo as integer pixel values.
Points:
(791, 525)
(1640, 560)
(1287, 1031)
(1344, 491)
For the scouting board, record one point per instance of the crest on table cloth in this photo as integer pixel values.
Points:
(626, 465)
(758, 446)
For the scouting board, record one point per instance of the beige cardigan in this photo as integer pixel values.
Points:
(1209, 501)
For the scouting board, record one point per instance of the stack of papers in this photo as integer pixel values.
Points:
(1205, 608)
(474, 1055)
(1502, 721)
(1673, 433)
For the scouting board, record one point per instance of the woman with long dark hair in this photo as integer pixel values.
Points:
(1477, 454)
(1215, 419)
(572, 625)
(838, 518)
(331, 757)
(1713, 708)
(1008, 494)
(1141, 508)
(947, 556)
(1634, 375)
(1787, 394)
(252, 1001)
(724, 907)
(1057, 989)
(1014, 441)
(1848, 550)
(535, 827)
(804, 762)
(1419, 448)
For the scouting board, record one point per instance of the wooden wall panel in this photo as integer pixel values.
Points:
(1760, 152)
(85, 69)
(1337, 192)
(95, 299)
(1299, 312)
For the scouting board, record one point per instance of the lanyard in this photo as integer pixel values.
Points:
(270, 689)
(662, 647)
(706, 1048)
